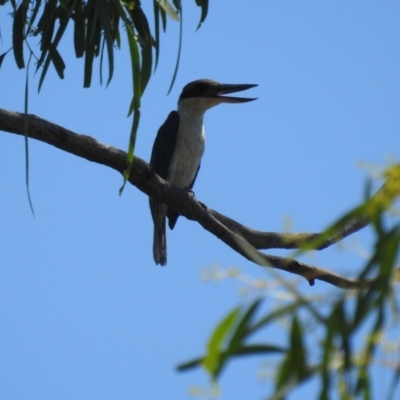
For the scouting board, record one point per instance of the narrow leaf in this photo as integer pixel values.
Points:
(57, 60)
(249, 350)
(242, 326)
(135, 67)
(169, 10)
(147, 59)
(145, 39)
(156, 31)
(33, 15)
(179, 50)
(2, 57)
(18, 36)
(297, 351)
(64, 19)
(131, 149)
(105, 23)
(90, 49)
(46, 25)
(276, 314)
(213, 361)
(79, 30)
(26, 136)
(204, 10)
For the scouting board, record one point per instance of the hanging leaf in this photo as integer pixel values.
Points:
(179, 7)
(46, 25)
(135, 69)
(79, 30)
(18, 36)
(64, 19)
(156, 10)
(213, 361)
(242, 327)
(131, 148)
(92, 46)
(204, 10)
(145, 40)
(2, 57)
(26, 103)
(57, 60)
(103, 10)
(33, 15)
(169, 10)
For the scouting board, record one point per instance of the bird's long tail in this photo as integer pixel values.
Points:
(160, 237)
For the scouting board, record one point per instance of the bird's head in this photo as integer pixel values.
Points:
(206, 93)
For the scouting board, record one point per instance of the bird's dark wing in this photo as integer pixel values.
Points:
(163, 147)
(161, 155)
(194, 179)
(173, 215)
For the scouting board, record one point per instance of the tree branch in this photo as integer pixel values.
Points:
(240, 238)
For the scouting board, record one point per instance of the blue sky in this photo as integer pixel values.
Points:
(85, 312)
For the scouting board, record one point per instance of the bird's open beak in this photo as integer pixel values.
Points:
(222, 89)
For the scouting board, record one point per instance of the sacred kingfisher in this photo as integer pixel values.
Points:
(179, 146)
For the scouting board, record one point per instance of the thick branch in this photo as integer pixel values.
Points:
(240, 238)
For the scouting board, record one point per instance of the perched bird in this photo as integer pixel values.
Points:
(179, 146)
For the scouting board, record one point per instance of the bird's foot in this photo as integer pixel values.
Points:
(191, 193)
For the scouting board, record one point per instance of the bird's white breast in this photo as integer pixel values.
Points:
(189, 149)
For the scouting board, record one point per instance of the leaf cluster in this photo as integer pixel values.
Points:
(96, 33)
(339, 359)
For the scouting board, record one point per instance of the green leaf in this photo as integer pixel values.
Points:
(18, 36)
(79, 30)
(135, 66)
(297, 351)
(293, 368)
(147, 59)
(213, 361)
(140, 22)
(145, 39)
(156, 31)
(46, 25)
(131, 148)
(64, 19)
(249, 350)
(179, 7)
(343, 329)
(242, 327)
(135, 103)
(93, 36)
(190, 364)
(276, 314)
(257, 349)
(103, 13)
(57, 60)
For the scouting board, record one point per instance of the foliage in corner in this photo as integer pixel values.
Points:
(345, 343)
(96, 28)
